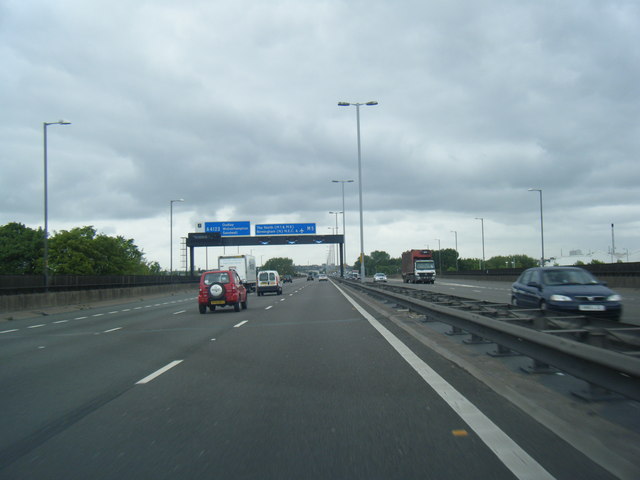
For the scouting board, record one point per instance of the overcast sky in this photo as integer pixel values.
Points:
(232, 105)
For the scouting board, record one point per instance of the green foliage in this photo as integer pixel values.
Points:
(596, 262)
(284, 266)
(445, 260)
(379, 261)
(511, 261)
(80, 251)
(21, 249)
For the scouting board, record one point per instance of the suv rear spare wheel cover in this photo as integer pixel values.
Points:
(216, 290)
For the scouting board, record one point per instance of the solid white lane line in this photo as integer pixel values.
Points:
(240, 324)
(521, 464)
(157, 373)
(9, 331)
(112, 330)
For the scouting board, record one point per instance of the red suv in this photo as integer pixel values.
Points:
(220, 288)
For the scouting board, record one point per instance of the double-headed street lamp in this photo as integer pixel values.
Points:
(171, 202)
(539, 190)
(482, 222)
(45, 256)
(357, 105)
(344, 230)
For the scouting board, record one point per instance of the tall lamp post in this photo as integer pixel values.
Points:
(439, 255)
(344, 230)
(357, 105)
(539, 190)
(482, 222)
(171, 202)
(336, 233)
(457, 255)
(45, 255)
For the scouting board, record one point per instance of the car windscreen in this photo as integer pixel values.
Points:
(216, 277)
(568, 277)
(425, 265)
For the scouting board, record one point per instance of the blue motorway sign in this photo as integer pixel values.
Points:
(286, 229)
(229, 229)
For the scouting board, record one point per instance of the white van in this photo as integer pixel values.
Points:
(269, 281)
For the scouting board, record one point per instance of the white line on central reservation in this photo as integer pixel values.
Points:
(157, 373)
(521, 464)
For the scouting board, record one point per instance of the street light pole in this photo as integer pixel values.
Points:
(439, 255)
(45, 255)
(456, 236)
(539, 190)
(337, 253)
(171, 202)
(357, 105)
(344, 229)
(482, 222)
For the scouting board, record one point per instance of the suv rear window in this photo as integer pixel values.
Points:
(216, 277)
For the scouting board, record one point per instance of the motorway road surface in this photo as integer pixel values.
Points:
(315, 383)
(500, 292)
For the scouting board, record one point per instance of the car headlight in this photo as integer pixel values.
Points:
(559, 298)
(614, 298)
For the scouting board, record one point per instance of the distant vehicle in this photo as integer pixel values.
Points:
(568, 289)
(221, 288)
(379, 277)
(245, 265)
(269, 281)
(287, 279)
(323, 277)
(418, 267)
(310, 277)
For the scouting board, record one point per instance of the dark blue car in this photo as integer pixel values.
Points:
(568, 289)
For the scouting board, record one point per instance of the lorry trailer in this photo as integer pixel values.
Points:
(245, 265)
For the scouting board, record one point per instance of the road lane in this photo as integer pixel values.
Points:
(500, 292)
(306, 389)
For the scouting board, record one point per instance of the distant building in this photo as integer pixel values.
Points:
(576, 256)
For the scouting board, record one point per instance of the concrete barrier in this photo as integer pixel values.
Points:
(18, 303)
(612, 281)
